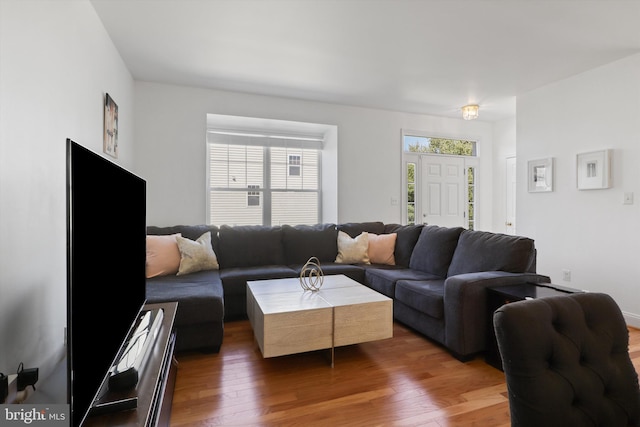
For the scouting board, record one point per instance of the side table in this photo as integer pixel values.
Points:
(501, 295)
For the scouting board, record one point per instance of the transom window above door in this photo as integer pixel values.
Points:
(447, 146)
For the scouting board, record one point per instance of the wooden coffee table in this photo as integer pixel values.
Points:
(288, 320)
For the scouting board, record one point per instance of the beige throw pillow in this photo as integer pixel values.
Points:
(163, 255)
(382, 248)
(353, 251)
(196, 256)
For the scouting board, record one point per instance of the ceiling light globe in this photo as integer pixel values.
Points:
(470, 112)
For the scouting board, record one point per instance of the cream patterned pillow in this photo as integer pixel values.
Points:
(353, 251)
(196, 256)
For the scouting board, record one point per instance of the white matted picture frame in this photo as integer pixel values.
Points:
(540, 175)
(594, 170)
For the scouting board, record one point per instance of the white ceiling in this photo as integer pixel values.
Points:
(429, 56)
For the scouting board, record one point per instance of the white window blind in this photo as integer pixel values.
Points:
(263, 179)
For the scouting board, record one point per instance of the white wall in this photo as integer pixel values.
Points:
(170, 149)
(56, 63)
(591, 233)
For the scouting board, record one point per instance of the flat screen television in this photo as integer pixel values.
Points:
(106, 233)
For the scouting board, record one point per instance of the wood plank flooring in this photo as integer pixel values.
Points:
(403, 381)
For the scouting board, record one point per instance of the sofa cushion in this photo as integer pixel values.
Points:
(486, 251)
(384, 279)
(354, 229)
(234, 283)
(405, 242)
(250, 246)
(234, 280)
(163, 255)
(199, 296)
(302, 242)
(353, 250)
(196, 256)
(434, 249)
(426, 296)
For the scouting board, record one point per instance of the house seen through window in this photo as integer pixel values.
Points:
(294, 165)
(253, 197)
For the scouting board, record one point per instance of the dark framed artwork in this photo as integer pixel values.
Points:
(110, 141)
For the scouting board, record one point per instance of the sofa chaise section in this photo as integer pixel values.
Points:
(199, 321)
(451, 309)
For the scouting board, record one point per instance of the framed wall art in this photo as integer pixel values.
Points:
(110, 139)
(594, 170)
(540, 175)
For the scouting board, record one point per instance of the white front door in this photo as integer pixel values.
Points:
(510, 217)
(443, 191)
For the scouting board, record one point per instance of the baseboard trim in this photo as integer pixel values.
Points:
(632, 319)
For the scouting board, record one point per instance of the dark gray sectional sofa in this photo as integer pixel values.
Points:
(438, 281)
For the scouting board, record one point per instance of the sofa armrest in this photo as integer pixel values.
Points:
(465, 307)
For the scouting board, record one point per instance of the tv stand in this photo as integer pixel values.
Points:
(149, 403)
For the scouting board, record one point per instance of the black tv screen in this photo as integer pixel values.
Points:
(106, 232)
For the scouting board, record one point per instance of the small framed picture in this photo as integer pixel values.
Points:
(110, 140)
(540, 177)
(594, 170)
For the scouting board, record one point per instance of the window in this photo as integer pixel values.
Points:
(411, 193)
(471, 197)
(428, 145)
(263, 179)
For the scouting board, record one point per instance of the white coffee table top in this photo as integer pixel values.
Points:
(278, 295)
(292, 284)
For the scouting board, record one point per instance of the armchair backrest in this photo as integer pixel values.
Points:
(566, 361)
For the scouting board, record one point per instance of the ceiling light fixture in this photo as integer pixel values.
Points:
(470, 112)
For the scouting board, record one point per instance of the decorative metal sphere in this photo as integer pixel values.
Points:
(311, 275)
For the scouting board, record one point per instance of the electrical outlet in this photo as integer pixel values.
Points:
(566, 275)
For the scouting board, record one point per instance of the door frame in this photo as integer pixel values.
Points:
(510, 205)
(416, 158)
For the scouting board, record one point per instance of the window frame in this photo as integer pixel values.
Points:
(472, 161)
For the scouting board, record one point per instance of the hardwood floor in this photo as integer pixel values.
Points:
(403, 381)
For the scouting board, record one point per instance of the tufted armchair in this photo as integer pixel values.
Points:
(566, 361)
